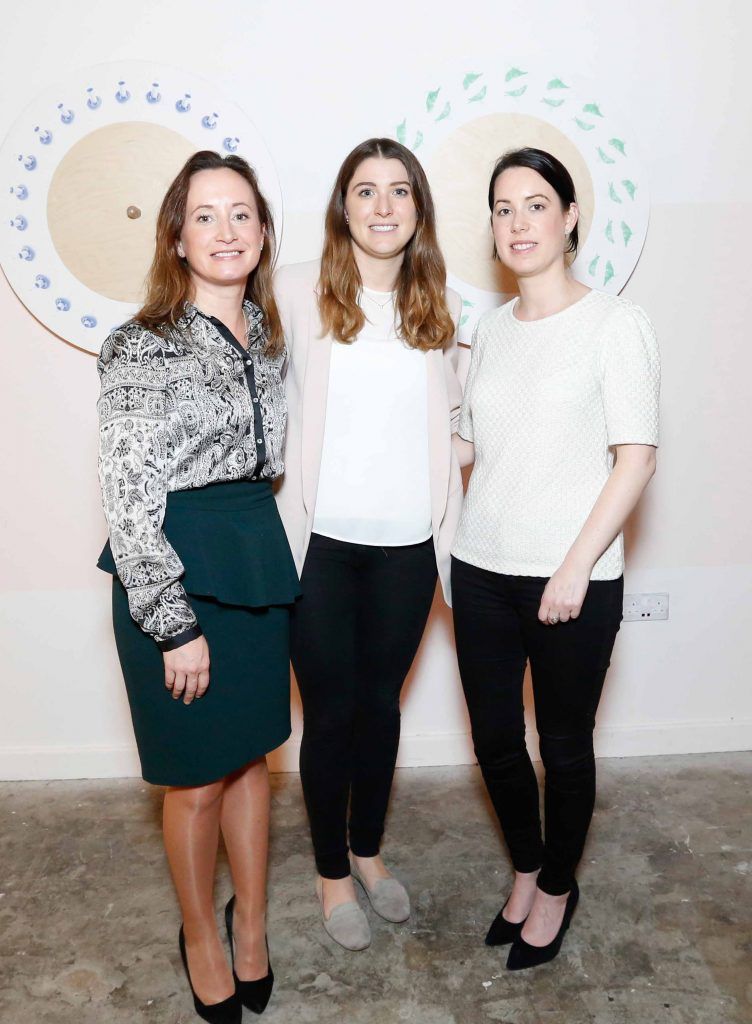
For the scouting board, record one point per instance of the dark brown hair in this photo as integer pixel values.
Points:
(551, 170)
(168, 283)
(420, 299)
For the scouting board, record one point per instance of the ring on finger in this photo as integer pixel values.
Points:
(553, 618)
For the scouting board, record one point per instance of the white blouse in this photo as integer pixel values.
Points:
(374, 485)
(545, 402)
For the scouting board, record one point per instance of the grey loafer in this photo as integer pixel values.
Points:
(388, 898)
(347, 924)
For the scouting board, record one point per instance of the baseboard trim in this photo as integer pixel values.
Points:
(416, 750)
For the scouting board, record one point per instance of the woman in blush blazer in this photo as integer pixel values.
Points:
(370, 500)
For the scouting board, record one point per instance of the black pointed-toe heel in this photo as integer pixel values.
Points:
(502, 931)
(253, 994)
(229, 1011)
(522, 955)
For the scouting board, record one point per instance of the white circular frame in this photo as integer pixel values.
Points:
(571, 105)
(56, 120)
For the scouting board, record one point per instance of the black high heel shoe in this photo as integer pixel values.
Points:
(502, 931)
(253, 994)
(523, 955)
(229, 1011)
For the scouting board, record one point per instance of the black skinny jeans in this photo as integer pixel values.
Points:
(497, 631)
(354, 635)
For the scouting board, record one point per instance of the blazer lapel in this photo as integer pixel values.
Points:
(439, 439)
(315, 388)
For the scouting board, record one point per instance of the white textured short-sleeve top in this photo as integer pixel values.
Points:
(544, 403)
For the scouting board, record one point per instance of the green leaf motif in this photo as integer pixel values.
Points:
(618, 144)
(609, 272)
(467, 302)
(431, 99)
(469, 79)
(418, 140)
(612, 193)
(592, 108)
(513, 73)
(402, 132)
(517, 92)
(610, 231)
(463, 320)
(593, 266)
(630, 187)
(626, 232)
(553, 103)
(556, 83)
(605, 157)
(583, 124)
(445, 112)
(479, 95)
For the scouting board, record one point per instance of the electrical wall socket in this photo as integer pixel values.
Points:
(645, 607)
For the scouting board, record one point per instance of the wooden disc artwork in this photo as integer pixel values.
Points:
(83, 172)
(104, 176)
(460, 170)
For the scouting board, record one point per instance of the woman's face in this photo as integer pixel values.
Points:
(380, 208)
(222, 235)
(529, 225)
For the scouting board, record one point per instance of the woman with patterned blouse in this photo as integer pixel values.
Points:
(192, 418)
(561, 405)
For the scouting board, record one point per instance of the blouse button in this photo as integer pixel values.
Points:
(259, 440)
(248, 362)
(256, 400)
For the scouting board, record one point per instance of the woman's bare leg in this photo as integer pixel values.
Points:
(245, 828)
(191, 817)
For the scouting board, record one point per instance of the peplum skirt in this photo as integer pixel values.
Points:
(241, 582)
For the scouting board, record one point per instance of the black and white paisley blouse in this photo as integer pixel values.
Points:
(178, 412)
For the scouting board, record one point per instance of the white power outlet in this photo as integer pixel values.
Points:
(645, 607)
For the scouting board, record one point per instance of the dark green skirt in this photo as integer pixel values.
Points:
(241, 579)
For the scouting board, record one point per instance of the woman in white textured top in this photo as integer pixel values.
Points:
(370, 500)
(561, 405)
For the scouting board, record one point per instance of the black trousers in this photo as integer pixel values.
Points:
(497, 631)
(354, 635)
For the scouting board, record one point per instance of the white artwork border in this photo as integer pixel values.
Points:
(464, 92)
(60, 117)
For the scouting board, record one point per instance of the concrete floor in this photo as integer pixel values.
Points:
(88, 922)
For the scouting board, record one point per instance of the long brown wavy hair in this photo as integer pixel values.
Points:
(420, 300)
(168, 283)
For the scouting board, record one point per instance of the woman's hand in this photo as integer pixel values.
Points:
(565, 591)
(187, 670)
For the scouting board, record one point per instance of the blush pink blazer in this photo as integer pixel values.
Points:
(306, 386)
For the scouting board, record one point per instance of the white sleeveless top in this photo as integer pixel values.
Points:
(374, 485)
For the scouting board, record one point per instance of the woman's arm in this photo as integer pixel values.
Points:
(565, 591)
(464, 450)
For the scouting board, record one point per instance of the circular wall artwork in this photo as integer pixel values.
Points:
(82, 175)
(473, 116)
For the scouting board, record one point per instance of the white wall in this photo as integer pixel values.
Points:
(317, 79)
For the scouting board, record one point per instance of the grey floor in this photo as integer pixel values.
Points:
(663, 933)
